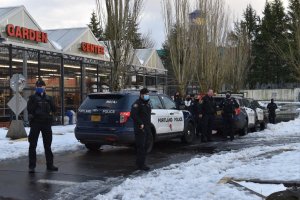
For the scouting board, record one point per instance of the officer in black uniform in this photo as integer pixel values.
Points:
(208, 112)
(272, 111)
(228, 105)
(40, 108)
(141, 115)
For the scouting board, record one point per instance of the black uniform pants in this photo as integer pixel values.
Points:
(207, 124)
(33, 137)
(272, 119)
(228, 125)
(141, 141)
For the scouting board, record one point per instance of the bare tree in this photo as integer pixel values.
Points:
(211, 27)
(147, 41)
(237, 57)
(180, 40)
(119, 18)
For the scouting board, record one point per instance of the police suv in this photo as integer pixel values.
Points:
(104, 119)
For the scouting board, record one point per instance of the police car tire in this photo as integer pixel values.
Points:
(150, 143)
(189, 134)
(92, 146)
(244, 131)
(262, 126)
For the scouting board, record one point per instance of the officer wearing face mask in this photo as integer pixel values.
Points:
(228, 105)
(141, 115)
(40, 108)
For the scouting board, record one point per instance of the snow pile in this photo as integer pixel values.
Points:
(282, 129)
(63, 140)
(198, 178)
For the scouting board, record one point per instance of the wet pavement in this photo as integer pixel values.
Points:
(83, 174)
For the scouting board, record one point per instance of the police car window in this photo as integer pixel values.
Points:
(104, 101)
(169, 104)
(155, 102)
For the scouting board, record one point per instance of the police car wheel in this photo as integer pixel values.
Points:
(244, 131)
(150, 143)
(188, 134)
(92, 146)
(262, 126)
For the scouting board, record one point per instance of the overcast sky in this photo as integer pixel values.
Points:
(51, 14)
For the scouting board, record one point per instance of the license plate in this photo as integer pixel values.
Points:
(96, 118)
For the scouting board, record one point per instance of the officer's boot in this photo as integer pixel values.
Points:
(52, 168)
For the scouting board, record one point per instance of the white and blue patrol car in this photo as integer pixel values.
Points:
(104, 119)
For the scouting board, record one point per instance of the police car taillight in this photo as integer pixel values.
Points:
(124, 116)
(237, 111)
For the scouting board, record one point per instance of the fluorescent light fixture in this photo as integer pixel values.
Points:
(3, 78)
(54, 74)
(49, 70)
(72, 66)
(92, 69)
(6, 66)
(28, 61)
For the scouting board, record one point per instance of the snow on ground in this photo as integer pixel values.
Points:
(63, 140)
(199, 177)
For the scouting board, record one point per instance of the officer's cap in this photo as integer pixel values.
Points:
(144, 91)
(40, 83)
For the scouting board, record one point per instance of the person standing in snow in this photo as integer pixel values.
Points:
(40, 108)
(141, 115)
(208, 112)
(228, 105)
(272, 111)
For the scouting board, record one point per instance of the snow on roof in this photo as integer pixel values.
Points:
(65, 37)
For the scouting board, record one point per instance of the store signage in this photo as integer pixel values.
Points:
(26, 33)
(92, 48)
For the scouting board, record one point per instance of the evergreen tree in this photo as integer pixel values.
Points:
(94, 25)
(268, 67)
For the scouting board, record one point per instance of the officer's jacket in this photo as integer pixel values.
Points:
(209, 106)
(40, 108)
(229, 105)
(272, 107)
(141, 113)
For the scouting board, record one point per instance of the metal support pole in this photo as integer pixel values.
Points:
(10, 75)
(39, 64)
(98, 78)
(62, 86)
(26, 91)
(81, 81)
(144, 77)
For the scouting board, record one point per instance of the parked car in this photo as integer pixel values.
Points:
(241, 119)
(287, 112)
(104, 119)
(261, 114)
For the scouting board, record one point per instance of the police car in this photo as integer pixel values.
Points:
(260, 114)
(245, 118)
(104, 119)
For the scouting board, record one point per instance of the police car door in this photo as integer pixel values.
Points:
(177, 122)
(250, 112)
(158, 115)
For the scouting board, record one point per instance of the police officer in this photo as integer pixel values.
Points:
(40, 108)
(272, 111)
(178, 100)
(196, 109)
(141, 115)
(208, 111)
(228, 105)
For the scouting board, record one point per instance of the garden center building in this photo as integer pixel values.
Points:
(71, 61)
